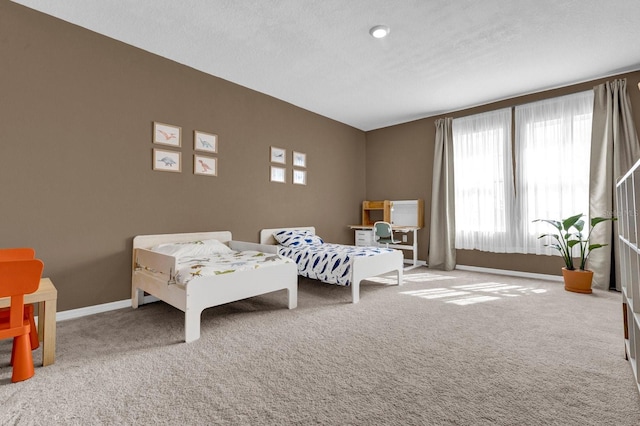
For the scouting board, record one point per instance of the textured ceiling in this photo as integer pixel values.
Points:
(441, 55)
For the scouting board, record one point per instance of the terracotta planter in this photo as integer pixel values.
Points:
(577, 280)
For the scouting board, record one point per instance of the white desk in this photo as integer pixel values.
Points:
(403, 229)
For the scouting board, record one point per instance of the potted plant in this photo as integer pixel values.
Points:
(569, 236)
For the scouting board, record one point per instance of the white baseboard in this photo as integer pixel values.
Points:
(96, 309)
(510, 273)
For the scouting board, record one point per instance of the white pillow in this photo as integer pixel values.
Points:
(296, 238)
(192, 248)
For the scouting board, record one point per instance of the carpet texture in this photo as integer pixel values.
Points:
(445, 348)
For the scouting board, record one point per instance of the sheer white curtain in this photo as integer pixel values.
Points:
(552, 149)
(483, 175)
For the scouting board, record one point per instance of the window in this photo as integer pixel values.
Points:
(483, 176)
(552, 149)
(552, 153)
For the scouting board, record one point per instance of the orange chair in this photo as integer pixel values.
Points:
(17, 278)
(22, 253)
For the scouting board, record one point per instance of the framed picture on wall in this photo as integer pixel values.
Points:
(167, 161)
(278, 174)
(167, 134)
(205, 141)
(299, 159)
(299, 177)
(205, 165)
(278, 155)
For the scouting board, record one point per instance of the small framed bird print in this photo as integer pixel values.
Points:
(166, 161)
(278, 155)
(167, 134)
(205, 141)
(205, 165)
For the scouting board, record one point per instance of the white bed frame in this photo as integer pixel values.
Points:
(204, 292)
(363, 267)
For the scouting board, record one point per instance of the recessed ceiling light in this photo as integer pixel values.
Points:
(380, 31)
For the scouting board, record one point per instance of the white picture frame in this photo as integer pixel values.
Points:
(167, 161)
(278, 155)
(207, 142)
(299, 159)
(278, 174)
(167, 134)
(299, 177)
(203, 165)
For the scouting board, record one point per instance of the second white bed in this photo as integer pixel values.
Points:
(361, 265)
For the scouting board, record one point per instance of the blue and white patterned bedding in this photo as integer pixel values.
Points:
(330, 263)
(191, 267)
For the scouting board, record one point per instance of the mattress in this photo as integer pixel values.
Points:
(192, 267)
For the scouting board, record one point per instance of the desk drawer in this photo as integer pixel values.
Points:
(364, 238)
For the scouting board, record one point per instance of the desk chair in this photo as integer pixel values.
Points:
(22, 253)
(17, 278)
(382, 234)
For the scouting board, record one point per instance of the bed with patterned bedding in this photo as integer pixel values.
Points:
(196, 271)
(332, 263)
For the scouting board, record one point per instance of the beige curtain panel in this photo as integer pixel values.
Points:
(442, 233)
(614, 149)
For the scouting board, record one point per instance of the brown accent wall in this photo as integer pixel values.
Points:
(76, 183)
(400, 165)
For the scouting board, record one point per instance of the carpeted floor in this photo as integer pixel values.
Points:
(446, 348)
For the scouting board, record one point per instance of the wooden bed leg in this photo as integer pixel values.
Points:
(191, 325)
(137, 298)
(355, 291)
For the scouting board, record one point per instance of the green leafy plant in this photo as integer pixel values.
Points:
(570, 234)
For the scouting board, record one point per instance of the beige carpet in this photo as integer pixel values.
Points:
(446, 348)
